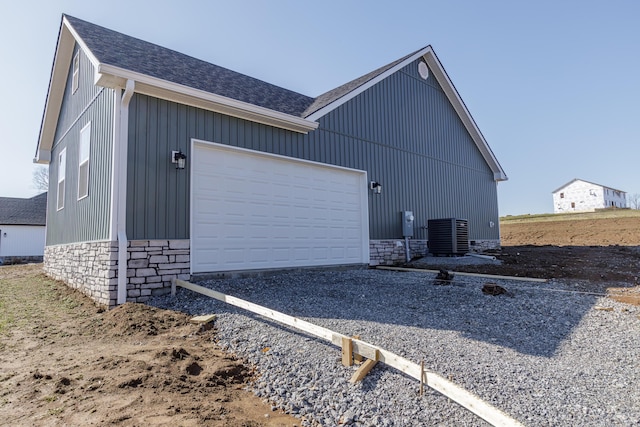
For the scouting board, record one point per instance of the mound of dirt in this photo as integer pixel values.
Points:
(596, 253)
(65, 361)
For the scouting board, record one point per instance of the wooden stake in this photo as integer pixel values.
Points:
(421, 377)
(204, 319)
(363, 370)
(460, 273)
(463, 397)
(357, 357)
(347, 351)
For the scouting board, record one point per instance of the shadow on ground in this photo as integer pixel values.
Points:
(532, 319)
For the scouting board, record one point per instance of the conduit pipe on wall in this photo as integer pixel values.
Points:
(121, 190)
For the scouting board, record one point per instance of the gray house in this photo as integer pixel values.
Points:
(22, 229)
(162, 166)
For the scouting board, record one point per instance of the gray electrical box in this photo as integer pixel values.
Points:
(407, 223)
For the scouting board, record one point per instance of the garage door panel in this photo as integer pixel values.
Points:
(251, 210)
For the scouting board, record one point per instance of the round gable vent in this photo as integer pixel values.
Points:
(423, 70)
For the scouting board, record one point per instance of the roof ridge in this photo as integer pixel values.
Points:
(328, 97)
(121, 50)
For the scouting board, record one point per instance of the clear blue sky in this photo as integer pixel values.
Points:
(553, 85)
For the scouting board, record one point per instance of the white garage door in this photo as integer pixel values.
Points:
(252, 210)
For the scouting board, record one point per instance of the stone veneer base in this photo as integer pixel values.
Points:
(392, 251)
(92, 267)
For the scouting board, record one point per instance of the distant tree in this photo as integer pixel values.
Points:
(41, 178)
(634, 201)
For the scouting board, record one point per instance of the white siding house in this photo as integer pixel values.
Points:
(584, 196)
(22, 229)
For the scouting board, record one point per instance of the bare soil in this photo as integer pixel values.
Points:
(66, 361)
(602, 254)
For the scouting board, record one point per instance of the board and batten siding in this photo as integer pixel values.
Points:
(87, 219)
(158, 195)
(409, 138)
(403, 131)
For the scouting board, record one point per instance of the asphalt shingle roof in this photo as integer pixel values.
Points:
(15, 211)
(119, 50)
(337, 93)
(130, 53)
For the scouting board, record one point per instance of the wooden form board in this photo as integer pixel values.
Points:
(466, 399)
(460, 273)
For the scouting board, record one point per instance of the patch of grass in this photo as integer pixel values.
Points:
(25, 295)
(5, 315)
(50, 398)
(56, 411)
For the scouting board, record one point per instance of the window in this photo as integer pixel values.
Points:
(562, 195)
(83, 165)
(62, 166)
(76, 72)
(573, 204)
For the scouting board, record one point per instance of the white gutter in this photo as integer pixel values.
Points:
(112, 76)
(119, 187)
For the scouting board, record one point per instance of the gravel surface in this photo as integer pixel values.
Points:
(544, 354)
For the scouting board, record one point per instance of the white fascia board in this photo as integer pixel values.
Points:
(64, 52)
(110, 76)
(94, 61)
(53, 103)
(464, 114)
(454, 98)
(43, 156)
(347, 97)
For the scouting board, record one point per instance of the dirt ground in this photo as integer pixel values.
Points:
(66, 361)
(602, 254)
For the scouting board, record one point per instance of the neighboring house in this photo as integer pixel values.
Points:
(272, 178)
(578, 195)
(22, 229)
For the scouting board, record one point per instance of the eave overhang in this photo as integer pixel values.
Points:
(454, 98)
(115, 77)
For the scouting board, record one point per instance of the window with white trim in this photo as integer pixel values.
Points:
(62, 170)
(76, 72)
(83, 162)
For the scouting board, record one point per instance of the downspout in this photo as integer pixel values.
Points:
(120, 179)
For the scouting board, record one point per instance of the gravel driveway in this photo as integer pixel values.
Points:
(544, 354)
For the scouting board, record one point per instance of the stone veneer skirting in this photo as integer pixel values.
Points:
(92, 267)
(392, 252)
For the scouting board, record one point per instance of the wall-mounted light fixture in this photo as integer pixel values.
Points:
(179, 159)
(376, 187)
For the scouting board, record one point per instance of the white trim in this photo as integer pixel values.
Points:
(55, 93)
(364, 197)
(81, 43)
(120, 172)
(114, 76)
(79, 243)
(277, 156)
(452, 95)
(75, 78)
(82, 161)
(62, 178)
(350, 95)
